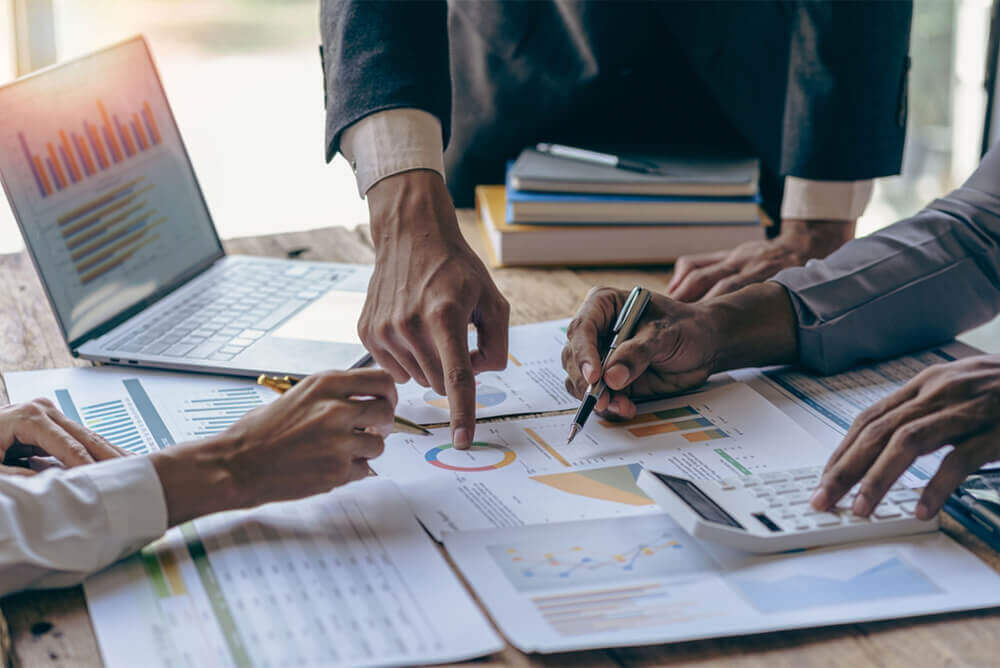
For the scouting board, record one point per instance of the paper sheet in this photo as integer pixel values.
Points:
(827, 405)
(142, 410)
(342, 579)
(643, 580)
(533, 381)
(522, 472)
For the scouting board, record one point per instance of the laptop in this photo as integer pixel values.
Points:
(105, 195)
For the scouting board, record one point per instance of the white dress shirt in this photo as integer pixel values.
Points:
(59, 526)
(399, 140)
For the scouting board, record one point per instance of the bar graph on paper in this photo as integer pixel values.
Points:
(132, 420)
(92, 147)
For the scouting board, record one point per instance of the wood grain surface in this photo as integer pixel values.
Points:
(53, 628)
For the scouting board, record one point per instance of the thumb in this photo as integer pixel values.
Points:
(629, 361)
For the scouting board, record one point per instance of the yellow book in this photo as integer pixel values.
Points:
(514, 244)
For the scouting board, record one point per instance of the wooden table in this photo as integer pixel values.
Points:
(53, 628)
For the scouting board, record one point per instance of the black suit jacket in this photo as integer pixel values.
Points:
(815, 89)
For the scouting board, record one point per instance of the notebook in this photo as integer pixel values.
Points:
(583, 245)
(684, 175)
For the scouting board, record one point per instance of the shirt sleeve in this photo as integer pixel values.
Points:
(910, 286)
(390, 142)
(806, 199)
(61, 525)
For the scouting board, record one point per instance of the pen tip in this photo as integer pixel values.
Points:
(572, 433)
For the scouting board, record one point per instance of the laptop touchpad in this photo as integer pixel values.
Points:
(333, 317)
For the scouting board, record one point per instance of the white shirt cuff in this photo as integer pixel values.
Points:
(806, 199)
(132, 498)
(393, 141)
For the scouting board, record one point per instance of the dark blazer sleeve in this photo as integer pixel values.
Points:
(910, 286)
(845, 109)
(383, 54)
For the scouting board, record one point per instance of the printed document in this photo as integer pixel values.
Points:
(522, 472)
(643, 580)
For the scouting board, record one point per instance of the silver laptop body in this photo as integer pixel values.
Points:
(106, 198)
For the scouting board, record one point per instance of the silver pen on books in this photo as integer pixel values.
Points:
(624, 328)
(597, 158)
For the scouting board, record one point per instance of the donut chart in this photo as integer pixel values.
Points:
(506, 457)
(487, 396)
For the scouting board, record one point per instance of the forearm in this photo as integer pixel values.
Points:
(58, 527)
(753, 327)
(199, 478)
(411, 209)
(912, 285)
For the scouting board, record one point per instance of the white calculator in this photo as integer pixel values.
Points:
(770, 512)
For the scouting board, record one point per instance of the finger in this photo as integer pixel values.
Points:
(603, 402)
(955, 466)
(399, 350)
(376, 413)
(98, 447)
(593, 319)
(16, 471)
(908, 442)
(359, 470)
(870, 415)
(389, 364)
(43, 432)
(700, 281)
(631, 359)
(355, 383)
(492, 326)
(689, 263)
(460, 382)
(623, 407)
(365, 445)
(422, 350)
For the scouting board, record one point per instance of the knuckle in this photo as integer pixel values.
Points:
(408, 323)
(460, 375)
(443, 312)
(383, 331)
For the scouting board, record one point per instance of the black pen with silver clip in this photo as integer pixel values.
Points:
(624, 327)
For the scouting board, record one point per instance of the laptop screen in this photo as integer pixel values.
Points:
(101, 185)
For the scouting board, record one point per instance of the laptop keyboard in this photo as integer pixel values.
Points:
(243, 302)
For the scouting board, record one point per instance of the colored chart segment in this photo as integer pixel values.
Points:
(486, 397)
(613, 483)
(470, 460)
(605, 558)
(893, 577)
(669, 421)
(74, 156)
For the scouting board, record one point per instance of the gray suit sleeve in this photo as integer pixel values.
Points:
(383, 54)
(912, 285)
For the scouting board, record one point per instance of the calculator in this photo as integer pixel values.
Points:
(770, 512)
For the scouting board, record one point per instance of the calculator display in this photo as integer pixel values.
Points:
(705, 507)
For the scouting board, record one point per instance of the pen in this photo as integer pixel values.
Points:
(597, 158)
(282, 384)
(624, 327)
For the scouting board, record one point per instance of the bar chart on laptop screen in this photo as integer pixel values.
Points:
(96, 171)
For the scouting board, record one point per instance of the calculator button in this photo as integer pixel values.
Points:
(771, 478)
(854, 519)
(728, 484)
(799, 499)
(801, 524)
(804, 474)
(750, 482)
(885, 511)
(904, 495)
(898, 487)
(786, 488)
(775, 503)
(762, 492)
(827, 520)
(846, 503)
(908, 507)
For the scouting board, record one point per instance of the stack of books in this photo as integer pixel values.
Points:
(562, 211)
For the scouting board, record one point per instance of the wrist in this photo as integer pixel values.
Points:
(411, 205)
(815, 238)
(197, 480)
(755, 326)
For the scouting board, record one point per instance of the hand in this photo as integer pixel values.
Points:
(317, 436)
(676, 345)
(427, 288)
(946, 404)
(712, 274)
(39, 429)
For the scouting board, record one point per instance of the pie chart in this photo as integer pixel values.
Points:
(479, 457)
(486, 397)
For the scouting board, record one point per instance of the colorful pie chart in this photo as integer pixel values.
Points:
(486, 397)
(480, 457)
